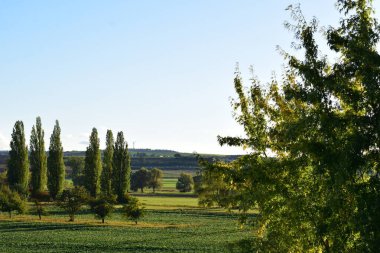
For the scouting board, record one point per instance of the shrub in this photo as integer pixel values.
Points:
(11, 201)
(134, 210)
(102, 208)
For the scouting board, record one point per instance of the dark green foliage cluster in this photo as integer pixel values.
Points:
(11, 201)
(102, 208)
(185, 183)
(55, 164)
(314, 141)
(140, 179)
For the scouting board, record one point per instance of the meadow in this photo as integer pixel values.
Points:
(173, 223)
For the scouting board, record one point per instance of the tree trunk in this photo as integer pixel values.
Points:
(103, 220)
(136, 222)
(10, 214)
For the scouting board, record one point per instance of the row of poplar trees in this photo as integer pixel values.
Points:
(38, 171)
(46, 171)
(112, 176)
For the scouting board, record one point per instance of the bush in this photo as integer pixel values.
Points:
(72, 200)
(102, 208)
(133, 210)
(185, 183)
(11, 201)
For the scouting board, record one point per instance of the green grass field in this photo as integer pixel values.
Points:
(173, 223)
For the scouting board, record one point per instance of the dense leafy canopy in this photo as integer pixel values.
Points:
(314, 138)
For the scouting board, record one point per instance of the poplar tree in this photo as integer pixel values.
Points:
(56, 166)
(38, 160)
(106, 177)
(18, 164)
(93, 165)
(121, 167)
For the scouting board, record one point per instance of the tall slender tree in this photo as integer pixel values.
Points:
(107, 164)
(18, 164)
(121, 167)
(38, 160)
(56, 167)
(93, 165)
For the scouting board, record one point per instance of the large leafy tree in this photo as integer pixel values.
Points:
(314, 138)
(55, 164)
(121, 167)
(18, 164)
(38, 160)
(93, 165)
(106, 178)
(140, 179)
(155, 179)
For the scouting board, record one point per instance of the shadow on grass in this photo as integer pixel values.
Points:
(18, 226)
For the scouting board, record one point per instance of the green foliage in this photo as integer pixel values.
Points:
(38, 160)
(121, 167)
(76, 164)
(102, 208)
(55, 165)
(11, 201)
(133, 210)
(185, 183)
(140, 179)
(72, 200)
(106, 178)
(155, 179)
(18, 164)
(320, 189)
(93, 165)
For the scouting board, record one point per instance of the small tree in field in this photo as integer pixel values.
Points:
(133, 210)
(72, 200)
(102, 208)
(185, 183)
(155, 179)
(11, 201)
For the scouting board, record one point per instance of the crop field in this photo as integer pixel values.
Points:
(173, 223)
(160, 231)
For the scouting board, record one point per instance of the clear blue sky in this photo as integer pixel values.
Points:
(161, 71)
